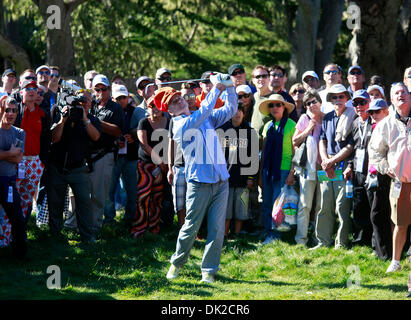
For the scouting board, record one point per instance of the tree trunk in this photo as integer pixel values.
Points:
(303, 38)
(373, 45)
(404, 36)
(60, 48)
(328, 29)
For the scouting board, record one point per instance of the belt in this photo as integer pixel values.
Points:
(30, 158)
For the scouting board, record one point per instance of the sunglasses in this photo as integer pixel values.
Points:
(341, 96)
(246, 95)
(30, 78)
(298, 91)
(238, 72)
(165, 79)
(355, 72)
(11, 110)
(276, 104)
(356, 103)
(190, 96)
(121, 98)
(331, 72)
(43, 72)
(371, 112)
(100, 89)
(273, 74)
(31, 89)
(311, 103)
(55, 75)
(263, 76)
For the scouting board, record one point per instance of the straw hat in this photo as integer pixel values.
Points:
(265, 110)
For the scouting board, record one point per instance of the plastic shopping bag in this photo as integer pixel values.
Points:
(285, 209)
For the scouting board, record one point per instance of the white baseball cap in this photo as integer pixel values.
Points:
(311, 74)
(161, 71)
(43, 67)
(376, 87)
(141, 79)
(101, 79)
(243, 88)
(119, 90)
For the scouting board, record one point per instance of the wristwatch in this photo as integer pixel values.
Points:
(87, 122)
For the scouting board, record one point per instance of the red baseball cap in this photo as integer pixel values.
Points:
(163, 96)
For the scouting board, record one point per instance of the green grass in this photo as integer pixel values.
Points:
(119, 267)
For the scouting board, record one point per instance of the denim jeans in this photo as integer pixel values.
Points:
(271, 190)
(203, 199)
(128, 171)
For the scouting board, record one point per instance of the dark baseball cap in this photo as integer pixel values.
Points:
(234, 67)
(206, 75)
(8, 71)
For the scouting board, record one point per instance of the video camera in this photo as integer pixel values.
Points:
(68, 96)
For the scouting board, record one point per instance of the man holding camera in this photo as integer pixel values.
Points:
(111, 116)
(72, 130)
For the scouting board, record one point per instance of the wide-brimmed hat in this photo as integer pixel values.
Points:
(335, 89)
(265, 110)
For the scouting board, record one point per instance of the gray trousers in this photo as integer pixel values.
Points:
(78, 180)
(100, 181)
(203, 199)
(333, 202)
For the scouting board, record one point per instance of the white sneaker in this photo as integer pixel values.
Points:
(173, 272)
(207, 277)
(318, 246)
(393, 267)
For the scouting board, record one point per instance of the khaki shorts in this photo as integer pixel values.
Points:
(401, 208)
(235, 207)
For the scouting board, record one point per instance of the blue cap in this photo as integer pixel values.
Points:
(377, 104)
(362, 93)
(355, 67)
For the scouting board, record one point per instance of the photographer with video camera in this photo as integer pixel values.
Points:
(72, 131)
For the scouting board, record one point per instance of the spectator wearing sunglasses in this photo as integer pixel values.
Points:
(126, 164)
(308, 128)
(9, 80)
(276, 167)
(334, 152)
(297, 91)
(357, 169)
(36, 123)
(310, 80)
(260, 78)
(239, 76)
(332, 74)
(11, 151)
(206, 87)
(163, 75)
(380, 198)
(54, 80)
(246, 100)
(43, 75)
(111, 117)
(356, 79)
(27, 74)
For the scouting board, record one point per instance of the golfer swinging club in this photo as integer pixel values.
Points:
(205, 170)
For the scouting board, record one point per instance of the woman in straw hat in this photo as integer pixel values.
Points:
(276, 167)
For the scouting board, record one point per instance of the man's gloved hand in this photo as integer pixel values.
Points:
(222, 78)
